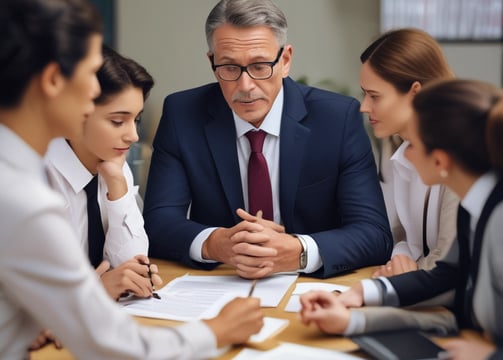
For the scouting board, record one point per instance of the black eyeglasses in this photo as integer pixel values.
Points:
(258, 71)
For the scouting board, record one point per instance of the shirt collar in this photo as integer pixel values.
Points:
(475, 199)
(271, 123)
(11, 143)
(64, 159)
(403, 166)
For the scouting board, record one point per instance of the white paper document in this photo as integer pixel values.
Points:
(294, 352)
(191, 297)
(272, 326)
(303, 287)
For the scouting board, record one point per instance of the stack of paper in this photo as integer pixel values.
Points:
(190, 297)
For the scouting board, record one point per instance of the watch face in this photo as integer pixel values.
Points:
(303, 260)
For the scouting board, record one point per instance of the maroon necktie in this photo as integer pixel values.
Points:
(259, 183)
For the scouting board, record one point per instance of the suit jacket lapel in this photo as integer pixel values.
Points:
(293, 141)
(221, 137)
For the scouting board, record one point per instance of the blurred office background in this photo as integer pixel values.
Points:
(167, 37)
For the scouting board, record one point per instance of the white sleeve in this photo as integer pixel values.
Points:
(46, 277)
(125, 235)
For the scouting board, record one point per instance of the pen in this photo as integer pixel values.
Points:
(252, 287)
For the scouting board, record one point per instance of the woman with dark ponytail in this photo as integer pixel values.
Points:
(455, 140)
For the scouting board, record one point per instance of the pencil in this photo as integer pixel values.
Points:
(252, 287)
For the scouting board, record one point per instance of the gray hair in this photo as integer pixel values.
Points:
(245, 13)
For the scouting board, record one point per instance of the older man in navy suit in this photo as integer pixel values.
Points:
(315, 206)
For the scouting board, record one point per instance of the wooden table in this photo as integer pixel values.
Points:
(295, 332)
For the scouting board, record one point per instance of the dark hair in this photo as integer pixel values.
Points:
(118, 73)
(460, 117)
(34, 33)
(403, 56)
(246, 13)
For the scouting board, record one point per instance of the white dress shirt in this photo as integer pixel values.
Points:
(47, 282)
(122, 220)
(405, 196)
(271, 125)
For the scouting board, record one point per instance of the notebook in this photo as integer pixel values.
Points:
(398, 345)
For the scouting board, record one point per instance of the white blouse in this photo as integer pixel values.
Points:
(122, 218)
(405, 197)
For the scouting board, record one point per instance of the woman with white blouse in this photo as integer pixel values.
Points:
(50, 52)
(422, 218)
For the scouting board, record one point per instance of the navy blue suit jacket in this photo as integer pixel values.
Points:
(328, 183)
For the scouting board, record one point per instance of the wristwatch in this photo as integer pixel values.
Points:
(303, 253)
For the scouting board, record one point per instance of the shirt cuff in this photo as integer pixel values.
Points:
(125, 212)
(356, 323)
(371, 293)
(196, 248)
(390, 297)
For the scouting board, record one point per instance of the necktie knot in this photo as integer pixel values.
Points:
(256, 139)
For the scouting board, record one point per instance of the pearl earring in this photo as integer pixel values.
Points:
(443, 173)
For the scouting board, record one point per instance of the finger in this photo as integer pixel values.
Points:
(134, 266)
(254, 273)
(103, 267)
(154, 269)
(387, 269)
(407, 263)
(276, 227)
(38, 343)
(142, 259)
(53, 339)
(308, 302)
(245, 263)
(246, 215)
(400, 266)
(57, 343)
(250, 226)
(254, 250)
(138, 285)
(258, 219)
(156, 280)
(377, 273)
(252, 237)
(382, 271)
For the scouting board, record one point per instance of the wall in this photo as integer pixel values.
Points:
(482, 61)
